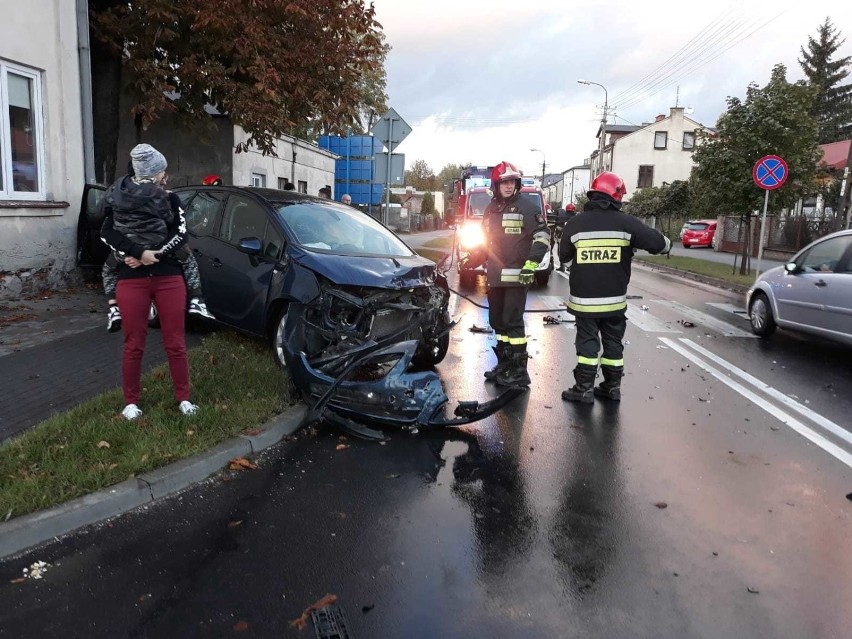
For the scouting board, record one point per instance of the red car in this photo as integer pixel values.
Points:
(699, 233)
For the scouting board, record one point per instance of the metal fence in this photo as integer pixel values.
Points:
(784, 234)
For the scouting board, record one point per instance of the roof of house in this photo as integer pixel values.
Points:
(619, 128)
(836, 154)
(551, 178)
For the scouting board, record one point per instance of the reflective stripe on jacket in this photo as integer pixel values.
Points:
(515, 232)
(601, 241)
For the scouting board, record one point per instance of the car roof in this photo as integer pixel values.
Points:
(703, 222)
(271, 195)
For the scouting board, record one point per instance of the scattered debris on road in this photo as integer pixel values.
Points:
(686, 323)
(661, 505)
(752, 590)
(35, 571)
(103, 444)
(302, 621)
(481, 329)
(550, 319)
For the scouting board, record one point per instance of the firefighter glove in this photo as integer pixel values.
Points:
(528, 273)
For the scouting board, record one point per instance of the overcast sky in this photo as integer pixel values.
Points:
(480, 82)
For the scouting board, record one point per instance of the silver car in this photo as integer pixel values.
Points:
(811, 293)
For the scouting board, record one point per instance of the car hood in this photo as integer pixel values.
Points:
(378, 272)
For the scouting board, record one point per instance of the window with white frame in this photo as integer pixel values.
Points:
(688, 140)
(661, 139)
(21, 145)
(258, 180)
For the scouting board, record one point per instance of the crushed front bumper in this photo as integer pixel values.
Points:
(410, 400)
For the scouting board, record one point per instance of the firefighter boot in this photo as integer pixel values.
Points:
(516, 374)
(584, 382)
(502, 352)
(610, 387)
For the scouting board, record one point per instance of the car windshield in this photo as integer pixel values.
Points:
(339, 229)
(698, 226)
(477, 203)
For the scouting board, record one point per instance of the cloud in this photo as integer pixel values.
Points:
(484, 82)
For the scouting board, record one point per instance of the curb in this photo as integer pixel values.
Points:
(23, 533)
(704, 279)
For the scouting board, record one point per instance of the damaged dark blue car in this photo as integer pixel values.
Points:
(356, 317)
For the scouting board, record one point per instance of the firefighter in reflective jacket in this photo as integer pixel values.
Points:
(601, 241)
(517, 239)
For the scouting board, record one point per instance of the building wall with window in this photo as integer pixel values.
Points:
(658, 152)
(41, 143)
(298, 161)
(575, 181)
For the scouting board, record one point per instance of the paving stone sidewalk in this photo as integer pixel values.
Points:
(55, 353)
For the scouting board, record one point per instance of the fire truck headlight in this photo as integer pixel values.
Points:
(471, 236)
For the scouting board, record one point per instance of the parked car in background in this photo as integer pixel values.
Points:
(355, 316)
(811, 293)
(698, 233)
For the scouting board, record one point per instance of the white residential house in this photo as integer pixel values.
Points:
(575, 181)
(655, 153)
(41, 143)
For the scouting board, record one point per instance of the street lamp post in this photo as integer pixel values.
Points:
(603, 120)
(542, 166)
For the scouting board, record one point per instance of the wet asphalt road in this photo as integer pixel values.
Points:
(546, 520)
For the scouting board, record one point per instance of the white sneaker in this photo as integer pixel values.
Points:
(187, 408)
(113, 319)
(198, 307)
(131, 412)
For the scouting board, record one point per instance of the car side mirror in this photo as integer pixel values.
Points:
(250, 245)
(791, 267)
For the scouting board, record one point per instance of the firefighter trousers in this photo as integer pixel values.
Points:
(506, 315)
(591, 331)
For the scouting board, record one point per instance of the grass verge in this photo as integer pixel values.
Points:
(431, 254)
(440, 243)
(235, 382)
(698, 266)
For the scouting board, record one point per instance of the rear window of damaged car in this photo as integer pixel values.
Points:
(339, 229)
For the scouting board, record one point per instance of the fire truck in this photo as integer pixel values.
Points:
(471, 237)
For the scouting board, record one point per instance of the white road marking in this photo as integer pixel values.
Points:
(551, 301)
(785, 418)
(562, 274)
(729, 308)
(706, 320)
(775, 394)
(647, 322)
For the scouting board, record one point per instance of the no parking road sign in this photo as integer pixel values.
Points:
(770, 172)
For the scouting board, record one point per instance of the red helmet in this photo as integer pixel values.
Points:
(212, 180)
(504, 171)
(609, 184)
(570, 207)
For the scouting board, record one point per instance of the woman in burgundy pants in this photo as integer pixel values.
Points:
(144, 225)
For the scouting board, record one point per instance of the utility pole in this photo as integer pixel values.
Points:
(602, 143)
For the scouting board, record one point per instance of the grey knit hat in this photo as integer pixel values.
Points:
(147, 161)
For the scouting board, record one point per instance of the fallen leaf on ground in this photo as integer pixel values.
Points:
(241, 463)
(368, 608)
(393, 476)
(341, 447)
(241, 625)
(251, 432)
(190, 433)
(235, 523)
(103, 444)
(753, 591)
(661, 505)
(302, 621)
(19, 580)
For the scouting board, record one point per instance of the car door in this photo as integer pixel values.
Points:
(90, 249)
(805, 295)
(203, 214)
(238, 285)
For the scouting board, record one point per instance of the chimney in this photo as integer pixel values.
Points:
(660, 118)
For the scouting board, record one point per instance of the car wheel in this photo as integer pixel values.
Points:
(435, 355)
(278, 339)
(686, 246)
(542, 277)
(467, 279)
(153, 316)
(760, 315)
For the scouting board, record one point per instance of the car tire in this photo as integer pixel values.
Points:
(467, 279)
(277, 338)
(760, 315)
(686, 246)
(542, 277)
(427, 359)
